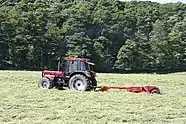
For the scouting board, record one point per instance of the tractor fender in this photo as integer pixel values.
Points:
(82, 73)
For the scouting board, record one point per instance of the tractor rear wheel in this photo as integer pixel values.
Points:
(79, 82)
(93, 82)
(45, 83)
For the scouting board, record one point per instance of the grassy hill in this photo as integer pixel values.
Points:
(21, 101)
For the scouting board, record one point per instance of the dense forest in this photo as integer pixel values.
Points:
(117, 36)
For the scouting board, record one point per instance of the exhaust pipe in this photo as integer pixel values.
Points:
(58, 68)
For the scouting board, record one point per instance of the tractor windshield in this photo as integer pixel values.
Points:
(86, 66)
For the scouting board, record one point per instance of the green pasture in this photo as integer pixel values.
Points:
(22, 102)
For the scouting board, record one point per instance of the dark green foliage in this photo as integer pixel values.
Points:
(117, 36)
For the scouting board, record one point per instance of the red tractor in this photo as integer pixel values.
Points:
(74, 73)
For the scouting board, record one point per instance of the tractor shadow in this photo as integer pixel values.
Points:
(60, 88)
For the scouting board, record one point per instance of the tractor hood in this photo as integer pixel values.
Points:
(55, 73)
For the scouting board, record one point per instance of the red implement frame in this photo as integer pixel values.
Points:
(136, 89)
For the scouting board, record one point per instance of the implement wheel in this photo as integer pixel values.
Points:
(155, 91)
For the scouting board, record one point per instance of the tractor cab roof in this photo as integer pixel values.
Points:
(74, 59)
(81, 59)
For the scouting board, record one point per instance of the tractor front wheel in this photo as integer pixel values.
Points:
(79, 82)
(45, 83)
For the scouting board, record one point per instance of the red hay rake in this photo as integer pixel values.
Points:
(135, 89)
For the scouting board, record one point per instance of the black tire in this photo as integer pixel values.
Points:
(93, 82)
(46, 83)
(79, 82)
(155, 91)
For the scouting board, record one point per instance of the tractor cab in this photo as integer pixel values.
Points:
(71, 66)
(78, 64)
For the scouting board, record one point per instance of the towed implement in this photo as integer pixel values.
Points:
(77, 74)
(136, 89)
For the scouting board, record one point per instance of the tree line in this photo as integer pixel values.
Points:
(117, 36)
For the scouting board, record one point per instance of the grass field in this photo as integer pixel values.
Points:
(21, 101)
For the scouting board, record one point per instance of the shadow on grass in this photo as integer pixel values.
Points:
(60, 88)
